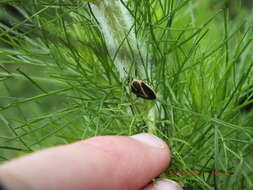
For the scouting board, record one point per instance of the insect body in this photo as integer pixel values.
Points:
(141, 89)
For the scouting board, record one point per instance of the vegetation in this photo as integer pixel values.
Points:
(60, 82)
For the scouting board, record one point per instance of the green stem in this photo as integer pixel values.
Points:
(117, 26)
(40, 79)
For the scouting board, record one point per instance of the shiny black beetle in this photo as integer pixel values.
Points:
(141, 89)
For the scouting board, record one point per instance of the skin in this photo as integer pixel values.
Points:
(104, 162)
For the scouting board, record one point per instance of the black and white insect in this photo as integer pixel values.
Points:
(141, 89)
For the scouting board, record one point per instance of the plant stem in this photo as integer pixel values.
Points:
(117, 25)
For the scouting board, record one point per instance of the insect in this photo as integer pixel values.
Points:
(141, 89)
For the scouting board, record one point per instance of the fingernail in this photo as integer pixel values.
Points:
(149, 139)
(166, 184)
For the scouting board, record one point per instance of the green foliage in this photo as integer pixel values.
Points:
(59, 84)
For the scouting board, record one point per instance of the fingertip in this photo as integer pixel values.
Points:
(163, 184)
(131, 161)
(161, 149)
(150, 140)
(117, 162)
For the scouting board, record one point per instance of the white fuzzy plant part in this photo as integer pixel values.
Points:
(116, 24)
